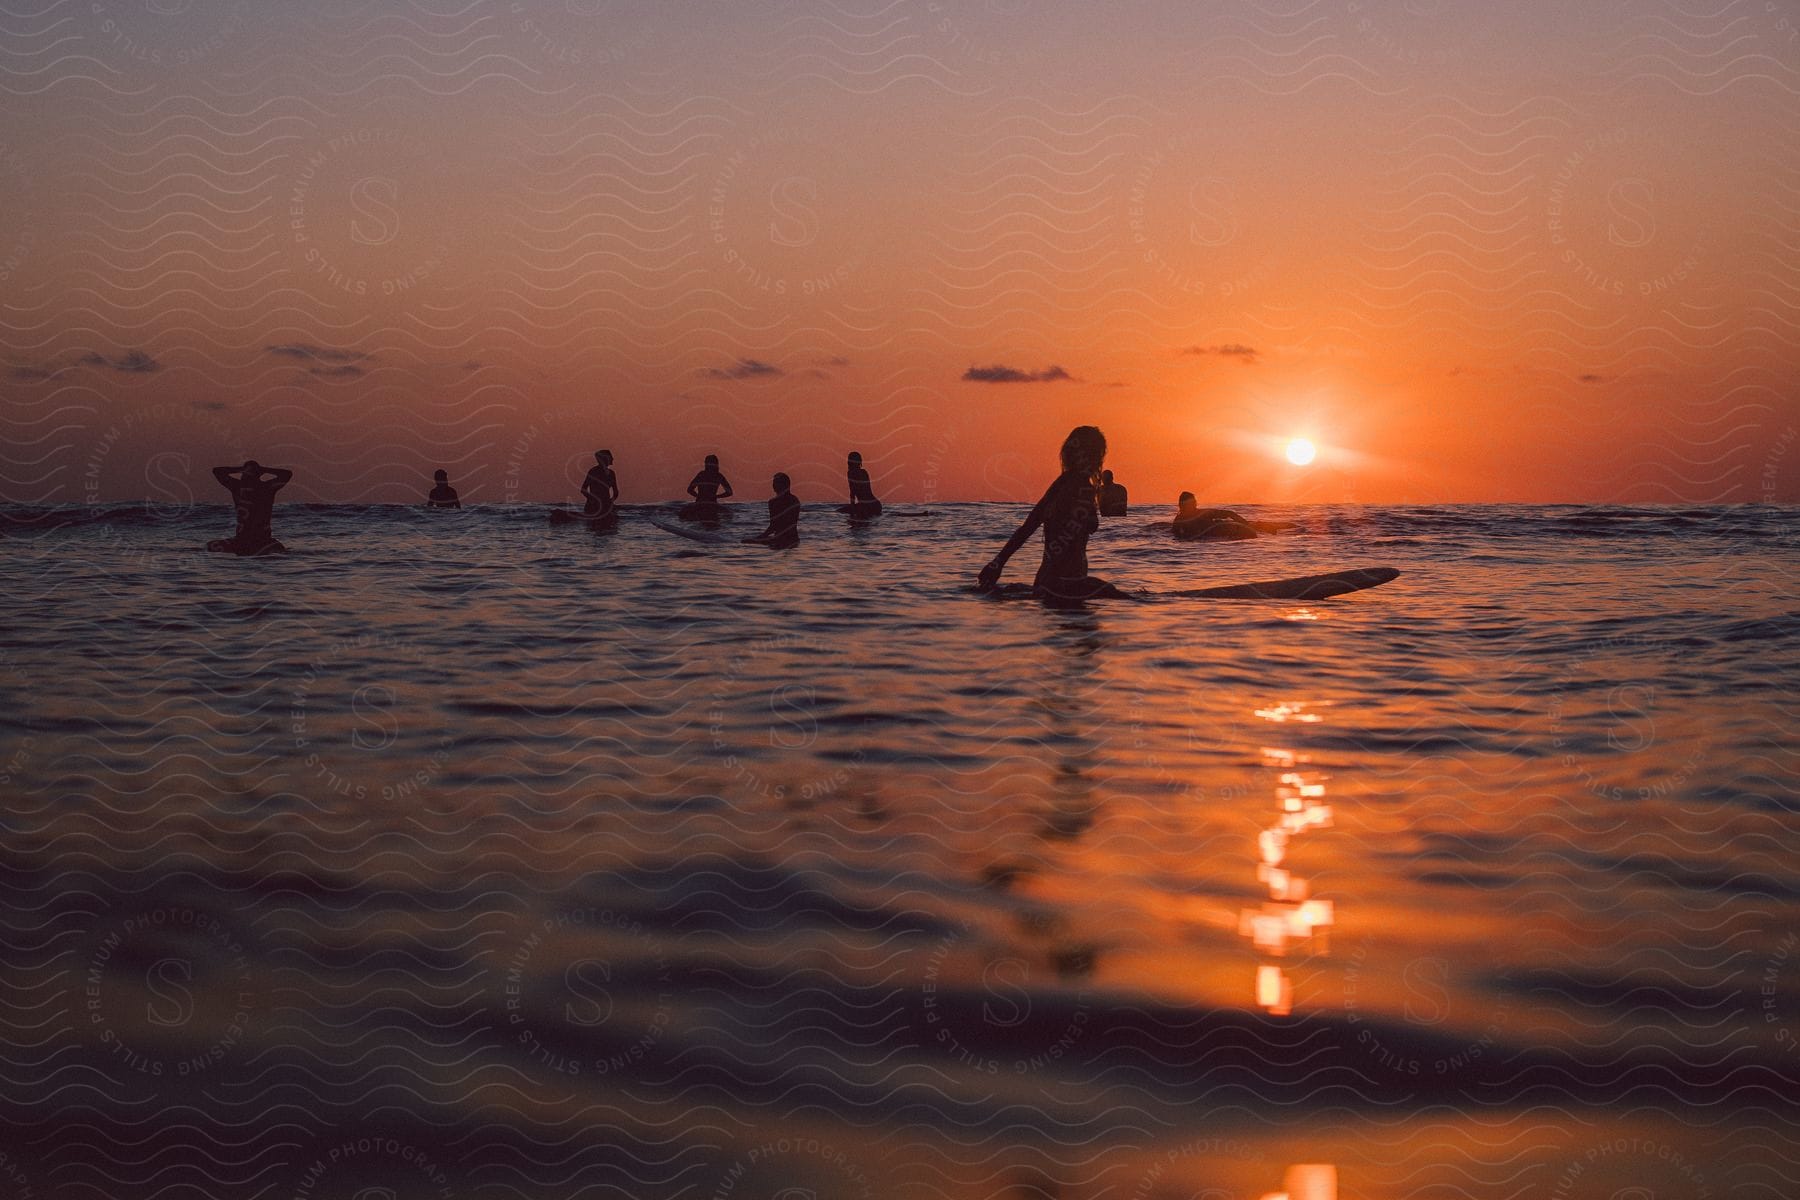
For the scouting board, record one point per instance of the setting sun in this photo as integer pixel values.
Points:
(1300, 452)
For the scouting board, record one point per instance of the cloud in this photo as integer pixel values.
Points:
(836, 360)
(743, 368)
(1000, 374)
(307, 352)
(1244, 354)
(211, 405)
(132, 362)
(1590, 378)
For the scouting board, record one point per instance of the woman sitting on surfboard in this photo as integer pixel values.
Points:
(1067, 514)
(1193, 523)
(708, 487)
(863, 503)
(601, 489)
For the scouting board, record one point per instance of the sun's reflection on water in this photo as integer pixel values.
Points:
(1307, 1181)
(1291, 916)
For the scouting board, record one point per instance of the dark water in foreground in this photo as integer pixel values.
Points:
(460, 855)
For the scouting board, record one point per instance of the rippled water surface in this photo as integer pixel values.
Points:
(461, 854)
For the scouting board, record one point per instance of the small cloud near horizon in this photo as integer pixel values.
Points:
(743, 368)
(1590, 378)
(1003, 374)
(130, 362)
(308, 352)
(1244, 354)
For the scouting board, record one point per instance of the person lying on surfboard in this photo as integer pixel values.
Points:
(252, 487)
(600, 487)
(784, 517)
(707, 487)
(862, 493)
(1193, 523)
(1067, 516)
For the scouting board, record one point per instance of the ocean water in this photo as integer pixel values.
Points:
(460, 854)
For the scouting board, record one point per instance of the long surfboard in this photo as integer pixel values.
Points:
(712, 537)
(1306, 587)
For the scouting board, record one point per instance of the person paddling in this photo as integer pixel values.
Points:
(1193, 523)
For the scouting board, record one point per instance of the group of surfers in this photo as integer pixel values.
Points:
(1068, 513)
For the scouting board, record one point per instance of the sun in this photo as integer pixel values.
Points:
(1300, 452)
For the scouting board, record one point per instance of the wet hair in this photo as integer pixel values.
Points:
(440, 473)
(855, 457)
(1184, 496)
(1106, 475)
(712, 460)
(251, 462)
(782, 482)
(1084, 449)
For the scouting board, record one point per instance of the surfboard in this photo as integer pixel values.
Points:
(1305, 587)
(565, 516)
(712, 537)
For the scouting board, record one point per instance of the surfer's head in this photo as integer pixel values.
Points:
(712, 462)
(250, 468)
(782, 482)
(1106, 477)
(441, 475)
(1084, 450)
(603, 457)
(855, 459)
(1185, 502)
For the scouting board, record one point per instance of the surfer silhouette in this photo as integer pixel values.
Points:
(862, 494)
(600, 487)
(443, 495)
(708, 487)
(1067, 515)
(1112, 496)
(1193, 523)
(784, 517)
(252, 487)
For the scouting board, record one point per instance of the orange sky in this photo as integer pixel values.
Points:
(1523, 256)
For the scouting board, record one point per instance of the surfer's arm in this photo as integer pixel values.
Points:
(225, 475)
(990, 574)
(724, 487)
(277, 476)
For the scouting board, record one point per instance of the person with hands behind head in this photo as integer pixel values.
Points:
(252, 487)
